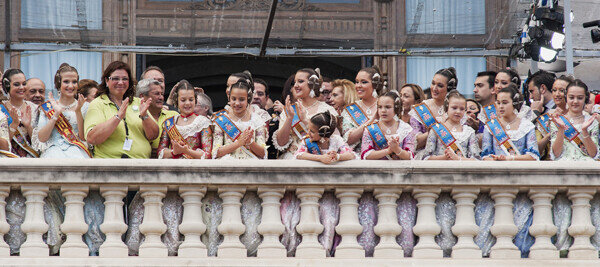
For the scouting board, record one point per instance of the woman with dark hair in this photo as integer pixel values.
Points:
(88, 88)
(187, 135)
(583, 146)
(509, 137)
(117, 123)
(410, 95)
(58, 119)
(356, 116)
(503, 79)
(246, 77)
(239, 133)
(293, 124)
(19, 113)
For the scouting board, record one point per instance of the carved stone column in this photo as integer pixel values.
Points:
(231, 226)
(349, 227)
(192, 226)
(34, 225)
(270, 226)
(4, 226)
(114, 223)
(153, 225)
(504, 228)
(310, 226)
(387, 227)
(465, 227)
(426, 227)
(74, 225)
(542, 227)
(581, 224)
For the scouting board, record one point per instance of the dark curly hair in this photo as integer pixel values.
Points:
(112, 67)
(325, 122)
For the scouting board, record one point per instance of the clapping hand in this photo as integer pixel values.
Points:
(80, 102)
(123, 108)
(144, 105)
(559, 122)
(395, 145)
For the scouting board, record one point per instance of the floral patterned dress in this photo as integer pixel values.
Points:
(292, 145)
(15, 147)
(405, 133)
(197, 135)
(466, 139)
(4, 133)
(570, 150)
(523, 138)
(336, 143)
(349, 124)
(261, 134)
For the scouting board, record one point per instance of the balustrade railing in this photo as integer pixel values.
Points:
(163, 212)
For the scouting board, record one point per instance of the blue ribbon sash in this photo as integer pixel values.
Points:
(543, 122)
(5, 111)
(490, 110)
(357, 114)
(447, 138)
(501, 137)
(174, 134)
(572, 134)
(425, 114)
(312, 147)
(377, 136)
(297, 125)
(18, 137)
(232, 131)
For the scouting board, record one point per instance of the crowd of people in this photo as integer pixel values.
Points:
(317, 119)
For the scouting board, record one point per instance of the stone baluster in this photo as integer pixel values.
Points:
(74, 225)
(465, 227)
(270, 226)
(34, 225)
(4, 226)
(426, 227)
(153, 225)
(504, 228)
(581, 224)
(542, 227)
(349, 227)
(231, 226)
(114, 223)
(387, 227)
(310, 226)
(192, 226)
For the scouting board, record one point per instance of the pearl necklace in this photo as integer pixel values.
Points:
(18, 108)
(388, 130)
(572, 120)
(185, 117)
(509, 123)
(440, 110)
(238, 118)
(368, 109)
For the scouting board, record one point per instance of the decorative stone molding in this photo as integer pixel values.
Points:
(426, 227)
(581, 224)
(34, 225)
(542, 227)
(114, 222)
(270, 226)
(192, 226)
(504, 228)
(310, 227)
(387, 227)
(231, 226)
(153, 225)
(464, 227)
(349, 227)
(74, 225)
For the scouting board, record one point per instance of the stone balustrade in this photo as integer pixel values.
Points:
(213, 212)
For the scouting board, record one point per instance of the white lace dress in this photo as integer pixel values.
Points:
(57, 146)
(255, 123)
(292, 145)
(405, 134)
(570, 150)
(465, 139)
(4, 133)
(523, 138)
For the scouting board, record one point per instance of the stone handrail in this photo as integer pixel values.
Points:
(461, 185)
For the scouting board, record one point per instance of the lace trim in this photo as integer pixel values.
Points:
(404, 129)
(524, 127)
(199, 124)
(277, 146)
(464, 134)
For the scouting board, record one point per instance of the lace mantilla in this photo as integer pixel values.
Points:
(199, 124)
(524, 128)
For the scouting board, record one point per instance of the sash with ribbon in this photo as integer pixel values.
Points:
(357, 114)
(174, 134)
(218, 113)
(500, 135)
(65, 129)
(297, 126)
(18, 137)
(232, 131)
(312, 147)
(447, 138)
(490, 110)
(425, 114)
(544, 123)
(572, 134)
(8, 154)
(378, 137)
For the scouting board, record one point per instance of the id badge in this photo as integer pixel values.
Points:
(127, 144)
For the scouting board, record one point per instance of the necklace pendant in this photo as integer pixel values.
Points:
(368, 111)
(440, 111)
(388, 131)
(454, 129)
(185, 119)
(508, 126)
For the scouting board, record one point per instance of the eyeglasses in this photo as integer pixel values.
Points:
(119, 79)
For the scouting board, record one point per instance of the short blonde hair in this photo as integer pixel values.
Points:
(350, 95)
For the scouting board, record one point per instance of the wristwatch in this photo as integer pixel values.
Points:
(143, 117)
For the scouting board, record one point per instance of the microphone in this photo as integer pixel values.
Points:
(591, 23)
